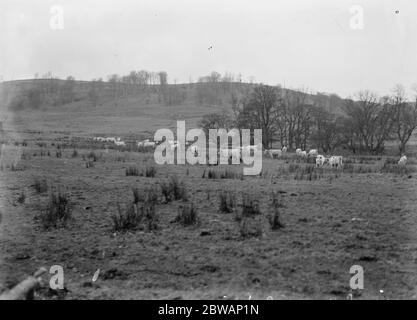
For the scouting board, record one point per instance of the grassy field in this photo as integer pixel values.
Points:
(332, 219)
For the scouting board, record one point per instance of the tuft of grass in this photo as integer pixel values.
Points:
(92, 156)
(40, 185)
(225, 174)
(74, 153)
(174, 189)
(275, 218)
(250, 206)
(187, 215)
(149, 195)
(57, 212)
(127, 219)
(149, 172)
(250, 228)
(137, 196)
(135, 216)
(132, 171)
(89, 164)
(22, 197)
(227, 201)
(148, 209)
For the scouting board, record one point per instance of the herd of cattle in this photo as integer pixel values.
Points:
(320, 160)
(235, 154)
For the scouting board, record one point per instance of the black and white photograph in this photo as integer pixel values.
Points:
(233, 150)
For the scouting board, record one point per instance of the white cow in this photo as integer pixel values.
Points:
(298, 151)
(303, 154)
(101, 139)
(234, 154)
(284, 149)
(336, 161)
(224, 153)
(149, 144)
(112, 139)
(142, 143)
(320, 160)
(174, 144)
(193, 149)
(273, 152)
(313, 153)
(403, 160)
(120, 143)
(251, 147)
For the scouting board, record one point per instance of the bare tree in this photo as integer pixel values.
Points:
(261, 112)
(405, 116)
(371, 121)
(326, 134)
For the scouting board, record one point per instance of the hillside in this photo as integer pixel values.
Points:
(86, 107)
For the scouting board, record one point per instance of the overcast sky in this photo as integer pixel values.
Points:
(296, 43)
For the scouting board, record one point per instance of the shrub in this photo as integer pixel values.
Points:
(57, 212)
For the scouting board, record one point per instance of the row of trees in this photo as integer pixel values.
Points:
(297, 119)
(45, 91)
(50, 90)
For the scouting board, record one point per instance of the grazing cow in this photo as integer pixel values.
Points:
(120, 143)
(336, 161)
(303, 154)
(113, 139)
(224, 153)
(251, 147)
(298, 151)
(273, 152)
(231, 154)
(284, 149)
(193, 149)
(236, 155)
(174, 144)
(149, 144)
(142, 143)
(320, 160)
(313, 153)
(403, 160)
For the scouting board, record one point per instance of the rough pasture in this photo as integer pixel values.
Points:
(363, 214)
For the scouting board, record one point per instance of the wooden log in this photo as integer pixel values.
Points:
(25, 289)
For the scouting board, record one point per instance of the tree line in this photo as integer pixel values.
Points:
(297, 119)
